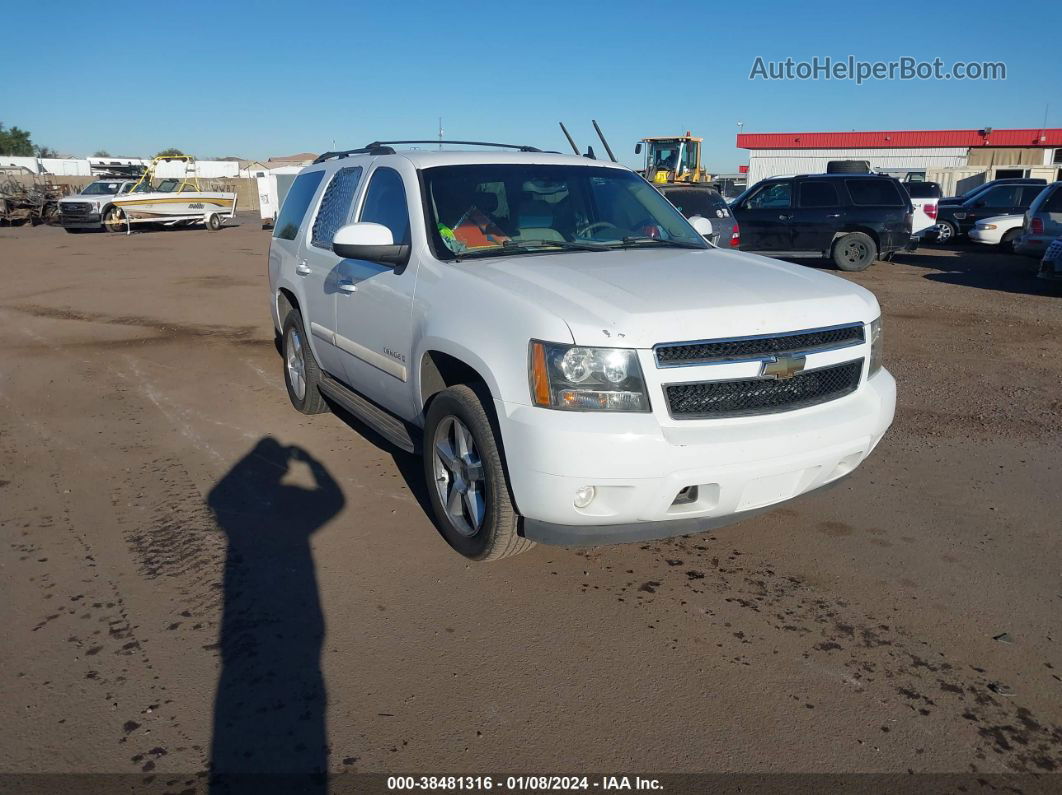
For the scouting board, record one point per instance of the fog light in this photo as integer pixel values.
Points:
(584, 495)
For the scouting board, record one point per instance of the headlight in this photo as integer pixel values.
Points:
(576, 378)
(960, 216)
(877, 349)
(986, 226)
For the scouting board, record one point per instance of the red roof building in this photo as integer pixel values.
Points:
(902, 139)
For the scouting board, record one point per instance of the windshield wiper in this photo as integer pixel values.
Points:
(634, 241)
(529, 246)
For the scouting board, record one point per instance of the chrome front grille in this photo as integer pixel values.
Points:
(680, 354)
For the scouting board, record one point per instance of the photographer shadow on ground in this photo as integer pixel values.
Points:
(270, 707)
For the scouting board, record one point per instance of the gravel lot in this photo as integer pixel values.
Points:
(174, 594)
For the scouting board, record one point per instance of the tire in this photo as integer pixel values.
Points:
(1007, 242)
(114, 220)
(213, 222)
(483, 526)
(946, 232)
(854, 252)
(301, 373)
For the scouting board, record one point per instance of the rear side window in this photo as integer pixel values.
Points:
(923, 190)
(775, 195)
(696, 202)
(1053, 202)
(1000, 196)
(295, 204)
(875, 193)
(818, 194)
(335, 206)
(385, 203)
(1029, 194)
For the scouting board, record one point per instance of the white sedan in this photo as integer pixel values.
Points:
(1000, 230)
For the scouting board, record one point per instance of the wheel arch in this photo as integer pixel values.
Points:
(440, 369)
(849, 228)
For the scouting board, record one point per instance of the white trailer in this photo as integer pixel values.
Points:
(272, 188)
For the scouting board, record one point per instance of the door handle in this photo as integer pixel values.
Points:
(833, 215)
(785, 218)
(347, 286)
(303, 269)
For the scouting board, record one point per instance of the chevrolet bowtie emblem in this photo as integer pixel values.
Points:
(782, 367)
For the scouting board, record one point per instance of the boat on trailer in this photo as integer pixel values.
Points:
(173, 201)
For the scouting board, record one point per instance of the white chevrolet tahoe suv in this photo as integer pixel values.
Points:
(573, 361)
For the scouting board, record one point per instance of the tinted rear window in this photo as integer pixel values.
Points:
(817, 193)
(1053, 202)
(696, 202)
(923, 190)
(295, 204)
(874, 193)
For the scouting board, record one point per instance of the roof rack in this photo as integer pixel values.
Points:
(518, 147)
(371, 149)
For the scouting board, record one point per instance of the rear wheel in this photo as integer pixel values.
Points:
(945, 232)
(301, 373)
(467, 483)
(854, 252)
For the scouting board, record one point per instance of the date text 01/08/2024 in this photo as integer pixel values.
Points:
(521, 783)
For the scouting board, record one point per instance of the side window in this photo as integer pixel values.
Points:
(818, 193)
(1001, 196)
(1029, 194)
(385, 203)
(335, 206)
(774, 196)
(875, 193)
(295, 204)
(1053, 203)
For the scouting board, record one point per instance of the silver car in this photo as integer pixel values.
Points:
(693, 200)
(1043, 222)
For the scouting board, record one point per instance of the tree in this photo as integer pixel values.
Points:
(46, 151)
(169, 152)
(101, 153)
(15, 142)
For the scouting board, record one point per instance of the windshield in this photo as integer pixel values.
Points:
(499, 209)
(101, 189)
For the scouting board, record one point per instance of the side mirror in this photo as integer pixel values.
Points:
(370, 242)
(979, 203)
(637, 149)
(701, 225)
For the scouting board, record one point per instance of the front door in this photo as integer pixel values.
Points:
(764, 217)
(374, 303)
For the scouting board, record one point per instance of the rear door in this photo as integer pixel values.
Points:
(883, 205)
(817, 215)
(1000, 200)
(764, 217)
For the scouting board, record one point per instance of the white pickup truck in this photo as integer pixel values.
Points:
(572, 360)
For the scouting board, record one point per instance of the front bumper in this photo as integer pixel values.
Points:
(81, 221)
(638, 466)
(986, 237)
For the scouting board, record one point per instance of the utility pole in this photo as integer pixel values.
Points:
(440, 133)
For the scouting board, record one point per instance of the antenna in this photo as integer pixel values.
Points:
(569, 137)
(440, 133)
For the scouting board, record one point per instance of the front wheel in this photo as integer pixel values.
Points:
(1007, 243)
(854, 252)
(114, 219)
(213, 222)
(467, 484)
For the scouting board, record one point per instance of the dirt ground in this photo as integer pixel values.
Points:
(192, 571)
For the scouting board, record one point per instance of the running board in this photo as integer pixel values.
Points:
(380, 420)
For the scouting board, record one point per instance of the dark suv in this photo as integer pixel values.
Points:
(852, 219)
(1014, 198)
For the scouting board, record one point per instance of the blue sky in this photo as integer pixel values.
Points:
(261, 79)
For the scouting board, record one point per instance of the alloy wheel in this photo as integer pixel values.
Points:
(296, 364)
(459, 479)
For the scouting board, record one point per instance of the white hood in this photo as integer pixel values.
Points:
(640, 297)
